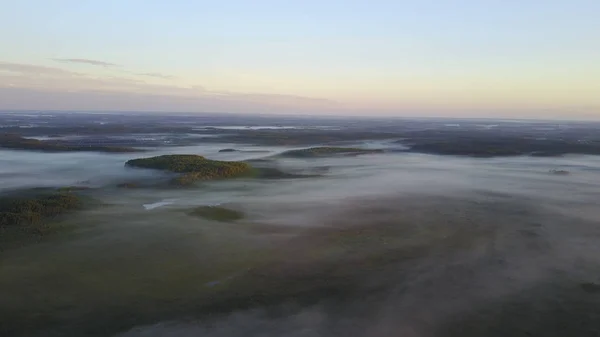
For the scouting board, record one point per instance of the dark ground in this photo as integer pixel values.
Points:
(476, 138)
(389, 243)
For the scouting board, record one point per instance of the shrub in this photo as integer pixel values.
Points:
(192, 167)
(327, 151)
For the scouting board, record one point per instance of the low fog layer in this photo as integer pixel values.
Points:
(378, 245)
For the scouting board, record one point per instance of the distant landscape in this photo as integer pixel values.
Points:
(132, 224)
(110, 132)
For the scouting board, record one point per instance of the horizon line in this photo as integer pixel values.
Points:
(298, 115)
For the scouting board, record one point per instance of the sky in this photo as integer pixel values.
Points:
(463, 58)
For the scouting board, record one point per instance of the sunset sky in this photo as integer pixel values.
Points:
(481, 58)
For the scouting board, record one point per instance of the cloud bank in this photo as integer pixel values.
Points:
(29, 86)
(38, 87)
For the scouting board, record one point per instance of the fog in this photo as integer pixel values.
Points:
(393, 244)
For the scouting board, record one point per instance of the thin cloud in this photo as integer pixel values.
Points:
(31, 69)
(108, 64)
(157, 75)
(283, 99)
(88, 61)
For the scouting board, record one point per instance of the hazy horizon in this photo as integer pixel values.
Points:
(470, 59)
(366, 116)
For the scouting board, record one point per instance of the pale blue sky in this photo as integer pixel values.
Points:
(394, 57)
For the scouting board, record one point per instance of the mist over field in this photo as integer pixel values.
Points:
(391, 243)
(300, 168)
